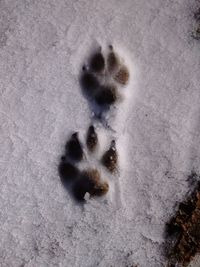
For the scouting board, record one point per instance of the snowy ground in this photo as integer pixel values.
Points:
(42, 47)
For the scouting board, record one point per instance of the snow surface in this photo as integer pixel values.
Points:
(43, 45)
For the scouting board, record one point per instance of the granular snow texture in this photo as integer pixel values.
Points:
(43, 45)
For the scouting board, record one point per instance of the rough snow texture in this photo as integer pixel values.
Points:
(42, 47)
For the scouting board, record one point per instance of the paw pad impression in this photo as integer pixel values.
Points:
(85, 180)
(103, 80)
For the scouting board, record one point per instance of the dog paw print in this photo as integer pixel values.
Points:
(74, 169)
(102, 80)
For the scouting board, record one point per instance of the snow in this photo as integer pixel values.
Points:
(43, 45)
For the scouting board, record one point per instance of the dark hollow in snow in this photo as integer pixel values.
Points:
(91, 139)
(122, 75)
(97, 62)
(106, 96)
(101, 79)
(89, 84)
(74, 149)
(112, 60)
(67, 171)
(81, 182)
(110, 157)
(89, 182)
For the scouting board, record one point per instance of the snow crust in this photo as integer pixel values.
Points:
(43, 45)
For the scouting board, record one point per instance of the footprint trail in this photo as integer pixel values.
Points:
(105, 81)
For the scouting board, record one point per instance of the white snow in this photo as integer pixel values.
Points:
(43, 45)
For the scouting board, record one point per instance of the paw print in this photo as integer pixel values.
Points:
(83, 181)
(103, 79)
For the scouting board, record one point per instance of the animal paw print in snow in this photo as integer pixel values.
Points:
(87, 180)
(103, 78)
